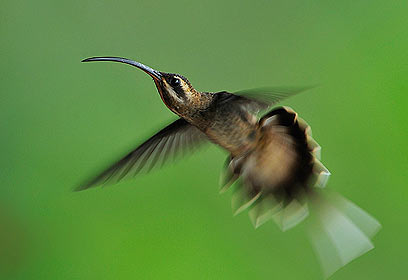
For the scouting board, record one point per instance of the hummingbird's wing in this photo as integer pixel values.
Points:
(262, 98)
(179, 136)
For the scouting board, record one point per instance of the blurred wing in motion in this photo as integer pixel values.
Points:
(179, 136)
(263, 98)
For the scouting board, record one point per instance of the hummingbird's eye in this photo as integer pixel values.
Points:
(175, 82)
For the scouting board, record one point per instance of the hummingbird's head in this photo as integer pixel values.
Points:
(175, 90)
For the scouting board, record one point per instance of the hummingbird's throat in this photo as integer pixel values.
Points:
(165, 97)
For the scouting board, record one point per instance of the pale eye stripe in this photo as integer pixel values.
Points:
(175, 95)
(172, 92)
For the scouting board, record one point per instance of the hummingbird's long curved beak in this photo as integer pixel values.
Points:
(156, 75)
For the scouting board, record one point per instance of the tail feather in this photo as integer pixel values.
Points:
(321, 173)
(367, 223)
(241, 199)
(291, 215)
(339, 231)
(315, 148)
(230, 174)
(264, 210)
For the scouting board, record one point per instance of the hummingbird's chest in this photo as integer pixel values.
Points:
(232, 127)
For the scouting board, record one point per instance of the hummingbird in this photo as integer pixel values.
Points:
(273, 167)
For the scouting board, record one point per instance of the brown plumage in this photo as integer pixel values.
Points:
(274, 163)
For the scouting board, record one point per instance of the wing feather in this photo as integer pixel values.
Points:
(258, 99)
(178, 137)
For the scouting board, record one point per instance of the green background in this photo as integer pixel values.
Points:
(61, 121)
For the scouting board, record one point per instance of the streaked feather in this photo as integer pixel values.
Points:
(178, 137)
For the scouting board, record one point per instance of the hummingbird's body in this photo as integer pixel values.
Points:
(228, 125)
(274, 163)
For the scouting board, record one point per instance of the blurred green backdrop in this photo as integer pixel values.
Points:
(61, 121)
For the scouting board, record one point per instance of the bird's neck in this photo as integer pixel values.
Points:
(195, 110)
